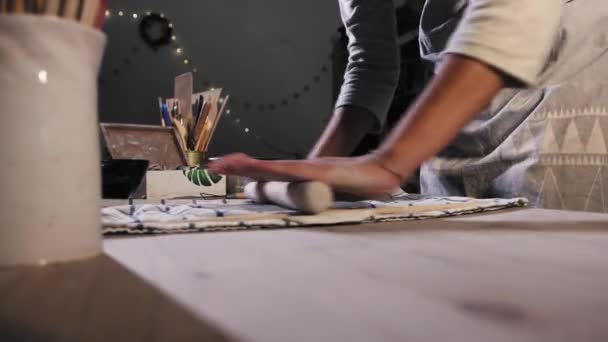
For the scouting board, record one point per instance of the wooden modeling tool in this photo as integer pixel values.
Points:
(39, 6)
(18, 6)
(160, 110)
(215, 122)
(200, 126)
(183, 94)
(213, 98)
(70, 10)
(52, 7)
(90, 10)
(181, 132)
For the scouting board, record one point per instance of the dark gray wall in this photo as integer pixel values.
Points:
(260, 51)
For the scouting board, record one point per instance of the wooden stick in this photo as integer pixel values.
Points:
(80, 9)
(201, 126)
(40, 6)
(216, 121)
(18, 6)
(52, 7)
(91, 10)
(71, 9)
(213, 96)
(181, 133)
(182, 87)
(28, 6)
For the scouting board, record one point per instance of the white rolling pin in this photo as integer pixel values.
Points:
(307, 197)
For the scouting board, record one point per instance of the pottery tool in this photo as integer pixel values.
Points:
(198, 107)
(181, 132)
(70, 10)
(306, 197)
(160, 110)
(87, 12)
(52, 7)
(211, 96)
(166, 116)
(200, 127)
(215, 122)
(90, 10)
(18, 6)
(183, 94)
(39, 6)
(29, 6)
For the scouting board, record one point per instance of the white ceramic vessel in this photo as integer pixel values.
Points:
(49, 154)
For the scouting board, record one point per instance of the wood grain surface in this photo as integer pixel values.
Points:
(521, 275)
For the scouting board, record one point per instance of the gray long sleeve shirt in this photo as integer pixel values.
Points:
(514, 36)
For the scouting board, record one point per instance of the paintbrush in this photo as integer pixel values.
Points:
(70, 10)
(89, 12)
(52, 7)
(160, 109)
(213, 97)
(200, 127)
(18, 6)
(39, 6)
(181, 132)
(216, 121)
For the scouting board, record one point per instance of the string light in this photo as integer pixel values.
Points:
(243, 102)
(179, 51)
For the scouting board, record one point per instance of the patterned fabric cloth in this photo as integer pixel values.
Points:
(183, 216)
(548, 143)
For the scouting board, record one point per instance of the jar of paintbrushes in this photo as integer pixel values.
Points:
(50, 179)
(194, 117)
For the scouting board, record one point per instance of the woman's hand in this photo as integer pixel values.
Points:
(361, 176)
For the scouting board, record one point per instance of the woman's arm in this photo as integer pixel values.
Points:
(370, 78)
(460, 90)
(344, 132)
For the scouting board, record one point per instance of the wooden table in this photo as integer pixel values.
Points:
(523, 275)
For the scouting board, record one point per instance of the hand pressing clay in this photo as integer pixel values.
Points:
(307, 197)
